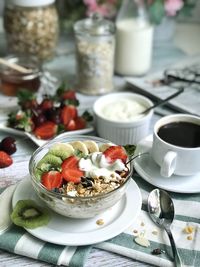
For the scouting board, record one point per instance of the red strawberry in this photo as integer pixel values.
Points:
(68, 113)
(69, 95)
(71, 162)
(46, 130)
(70, 170)
(115, 152)
(5, 159)
(51, 179)
(72, 175)
(80, 123)
(46, 104)
(71, 126)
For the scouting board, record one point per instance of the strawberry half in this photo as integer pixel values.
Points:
(71, 162)
(52, 179)
(5, 159)
(70, 170)
(80, 123)
(115, 152)
(45, 131)
(68, 113)
(72, 175)
(71, 126)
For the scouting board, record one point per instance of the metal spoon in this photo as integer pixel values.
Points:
(161, 211)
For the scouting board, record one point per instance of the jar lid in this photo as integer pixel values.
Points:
(30, 3)
(95, 25)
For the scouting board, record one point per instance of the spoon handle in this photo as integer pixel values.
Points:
(177, 258)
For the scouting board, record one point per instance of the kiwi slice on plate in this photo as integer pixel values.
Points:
(28, 214)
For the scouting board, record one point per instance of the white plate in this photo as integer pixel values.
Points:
(78, 232)
(40, 142)
(150, 171)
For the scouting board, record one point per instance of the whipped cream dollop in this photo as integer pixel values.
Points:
(97, 165)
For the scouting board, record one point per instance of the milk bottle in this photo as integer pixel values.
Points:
(134, 38)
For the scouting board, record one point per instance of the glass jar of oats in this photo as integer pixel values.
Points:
(32, 27)
(95, 45)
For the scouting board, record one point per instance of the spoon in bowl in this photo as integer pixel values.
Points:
(161, 211)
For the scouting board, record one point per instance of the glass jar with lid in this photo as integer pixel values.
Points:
(32, 27)
(11, 81)
(95, 46)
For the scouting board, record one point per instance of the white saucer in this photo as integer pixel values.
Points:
(150, 171)
(79, 232)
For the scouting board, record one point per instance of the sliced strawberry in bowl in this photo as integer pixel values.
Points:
(68, 113)
(70, 162)
(72, 175)
(52, 179)
(70, 94)
(80, 123)
(71, 126)
(115, 152)
(46, 131)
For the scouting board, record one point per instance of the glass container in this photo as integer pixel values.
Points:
(11, 81)
(134, 37)
(95, 46)
(32, 27)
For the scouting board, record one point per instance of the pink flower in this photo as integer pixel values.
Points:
(172, 6)
(106, 9)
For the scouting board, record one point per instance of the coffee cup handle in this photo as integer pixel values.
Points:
(169, 164)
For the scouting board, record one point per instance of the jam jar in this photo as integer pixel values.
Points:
(31, 27)
(95, 46)
(11, 81)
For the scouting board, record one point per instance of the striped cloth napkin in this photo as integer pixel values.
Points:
(185, 228)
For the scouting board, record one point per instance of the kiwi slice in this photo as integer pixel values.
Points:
(28, 214)
(62, 150)
(48, 162)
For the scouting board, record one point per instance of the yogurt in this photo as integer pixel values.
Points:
(124, 110)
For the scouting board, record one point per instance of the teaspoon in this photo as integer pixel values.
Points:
(161, 211)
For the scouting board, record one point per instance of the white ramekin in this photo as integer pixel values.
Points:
(120, 132)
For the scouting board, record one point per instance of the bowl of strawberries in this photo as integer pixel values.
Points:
(80, 176)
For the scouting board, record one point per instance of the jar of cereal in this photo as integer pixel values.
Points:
(95, 45)
(31, 27)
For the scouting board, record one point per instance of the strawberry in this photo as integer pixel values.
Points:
(71, 162)
(70, 170)
(72, 175)
(68, 113)
(46, 130)
(115, 152)
(5, 159)
(71, 126)
(80, 123)
(69, 95)
(52, 179)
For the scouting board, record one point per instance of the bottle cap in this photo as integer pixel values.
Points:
(30, 3)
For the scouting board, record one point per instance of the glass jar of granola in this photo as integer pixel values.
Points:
(95, 45)
(31, 27)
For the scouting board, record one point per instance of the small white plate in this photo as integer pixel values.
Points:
(79, 232)
(40, 142)
(150, 172)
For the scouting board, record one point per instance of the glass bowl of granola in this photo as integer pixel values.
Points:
(80, 176)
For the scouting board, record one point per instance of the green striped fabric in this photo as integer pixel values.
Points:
(187, 206)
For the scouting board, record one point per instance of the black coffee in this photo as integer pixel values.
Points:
(184, 134)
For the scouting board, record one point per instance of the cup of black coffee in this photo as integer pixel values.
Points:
(176, 145)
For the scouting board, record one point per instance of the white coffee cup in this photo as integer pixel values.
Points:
(173, 158)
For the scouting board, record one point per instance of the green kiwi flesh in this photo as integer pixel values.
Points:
(28, 214)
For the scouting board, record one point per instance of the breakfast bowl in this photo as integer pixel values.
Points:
(80, 176)
(119, 118)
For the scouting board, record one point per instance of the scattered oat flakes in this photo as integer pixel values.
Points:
(142, 241)
(135, 231)
(142, 224)
(100, 222)
(188, 229)
(189, 237)
(155, 232)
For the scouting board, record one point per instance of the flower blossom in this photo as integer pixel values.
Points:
(172, 6)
